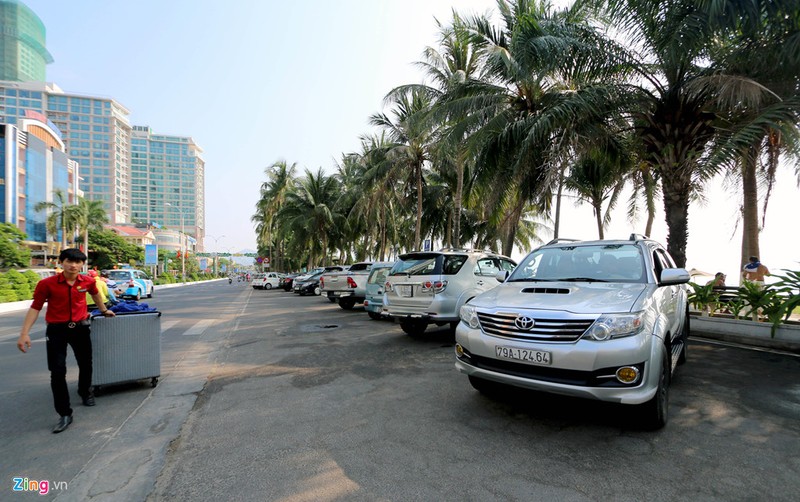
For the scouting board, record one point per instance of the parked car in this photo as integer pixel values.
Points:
(41, 272)
(604, 320)
(349, 287)
(429, 287)
(133, 283)
(308, 286)
(266, 280)
(287, 281)
(373, 301)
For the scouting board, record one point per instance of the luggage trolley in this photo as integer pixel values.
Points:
(126, 348)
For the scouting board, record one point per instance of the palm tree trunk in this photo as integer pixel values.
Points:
(598, 210)
(456, 236)
(511, 228)
(676, 208)
(558, 201)
(418, 225)
(750, 230)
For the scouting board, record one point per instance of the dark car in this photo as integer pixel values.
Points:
(287, 282)
(309, 286)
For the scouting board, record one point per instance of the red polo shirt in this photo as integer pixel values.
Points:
(65, 303)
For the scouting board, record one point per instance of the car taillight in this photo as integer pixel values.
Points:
(351, 283)
(131, 284)
(388, 286)
(322, 282)
(436, 286)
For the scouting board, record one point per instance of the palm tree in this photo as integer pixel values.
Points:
(87, 215)
(412, 140)
(310, 213)
(598, 177)
(675, 98)
(59, 211)
(280, 179)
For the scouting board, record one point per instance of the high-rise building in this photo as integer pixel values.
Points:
(23, 55)
(95, 131)
(168, 183)
(34, 167)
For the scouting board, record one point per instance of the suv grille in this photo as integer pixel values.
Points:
(506, 324)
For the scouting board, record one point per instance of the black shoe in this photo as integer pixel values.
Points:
(62, 424)
(89, 400)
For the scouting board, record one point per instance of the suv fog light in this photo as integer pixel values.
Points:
(459, 350)
(628, 374)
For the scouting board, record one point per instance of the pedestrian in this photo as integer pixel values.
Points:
(102, 287)
(755, 271)
(718, 281)
(67, 324)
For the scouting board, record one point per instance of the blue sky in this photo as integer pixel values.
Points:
(254, 82)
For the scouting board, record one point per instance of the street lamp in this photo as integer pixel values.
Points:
(183, 236)
(215, 250)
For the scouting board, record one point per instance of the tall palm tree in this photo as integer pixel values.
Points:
(280, 177)
(310, 213)
(87, 215)
(412, 140)
(59, 210)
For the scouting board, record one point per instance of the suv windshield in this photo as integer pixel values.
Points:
(378, 275)
(590, 263)
(428, 264)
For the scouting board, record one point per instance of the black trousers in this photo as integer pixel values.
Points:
(58, 337)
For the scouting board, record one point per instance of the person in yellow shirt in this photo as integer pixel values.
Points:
(102, 289)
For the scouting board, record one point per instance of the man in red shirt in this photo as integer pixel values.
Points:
(67, 324)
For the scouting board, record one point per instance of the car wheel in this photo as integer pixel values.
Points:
(268, 286)
(347, 303)
(685, 338)
(374, 315)
(317, 291)
(152, 292)
(138, 295)
(655, 411)
(413, 328)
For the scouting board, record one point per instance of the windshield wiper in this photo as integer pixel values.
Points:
(528, 279)
(581, 279)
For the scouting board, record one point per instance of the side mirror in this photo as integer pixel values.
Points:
(502, 275)
(670, 276)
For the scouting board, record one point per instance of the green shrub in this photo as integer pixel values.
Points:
(19, 283)
(7, 293)
(33, 278)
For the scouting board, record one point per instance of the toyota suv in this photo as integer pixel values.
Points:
(605, 320)
(429, 287)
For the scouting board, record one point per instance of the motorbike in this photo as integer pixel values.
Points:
(230, 280)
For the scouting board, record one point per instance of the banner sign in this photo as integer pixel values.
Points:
(150, 254)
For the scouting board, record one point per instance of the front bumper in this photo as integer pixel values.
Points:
(583, 368)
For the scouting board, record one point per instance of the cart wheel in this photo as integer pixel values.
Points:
(154, 382)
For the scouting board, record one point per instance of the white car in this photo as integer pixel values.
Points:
(266, 280)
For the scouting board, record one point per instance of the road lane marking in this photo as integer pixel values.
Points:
(168, 324)
(199, 328)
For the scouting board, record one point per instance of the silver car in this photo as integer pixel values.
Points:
(430, 287)
(605, 320)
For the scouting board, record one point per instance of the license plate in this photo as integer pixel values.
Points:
(405, 291)
(530, 356)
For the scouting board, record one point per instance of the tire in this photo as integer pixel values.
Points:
(138, 294)
(685, 338)
(655, 411)
(347, 303)
(374, 315)
(268, 286)
(414, 328)
(152, 292)
(317, 291)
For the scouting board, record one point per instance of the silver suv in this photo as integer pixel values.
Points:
(429, 287)
(604, 320)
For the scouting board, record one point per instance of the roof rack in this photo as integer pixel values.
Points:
(638, 237)
(560, 239)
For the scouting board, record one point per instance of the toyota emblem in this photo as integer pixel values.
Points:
(524, 323)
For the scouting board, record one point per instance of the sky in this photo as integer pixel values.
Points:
(259, 81)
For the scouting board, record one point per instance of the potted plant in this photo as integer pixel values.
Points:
(704, 298)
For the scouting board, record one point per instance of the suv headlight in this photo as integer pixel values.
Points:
(469, 315)
(610, 326)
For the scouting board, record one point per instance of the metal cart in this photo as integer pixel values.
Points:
(126, 348)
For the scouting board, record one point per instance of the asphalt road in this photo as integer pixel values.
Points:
(265, 395)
